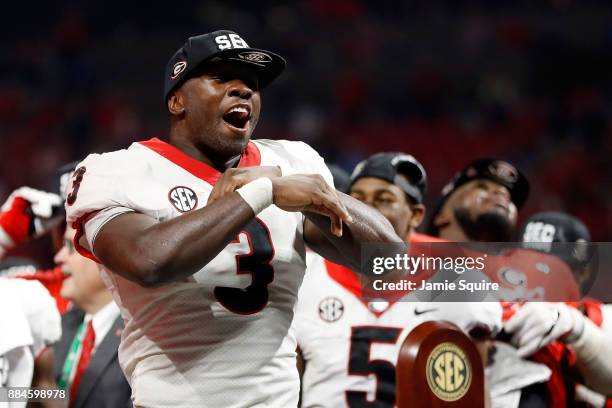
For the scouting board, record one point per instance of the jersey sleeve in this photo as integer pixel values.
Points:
(97, 193)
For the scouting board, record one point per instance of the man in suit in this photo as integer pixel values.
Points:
(86, 363)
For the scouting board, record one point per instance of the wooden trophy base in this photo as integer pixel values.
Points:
(439, 366)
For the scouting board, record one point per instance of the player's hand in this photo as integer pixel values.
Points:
(28, 212)
(310, 192)
(537, 324)
(235, 178)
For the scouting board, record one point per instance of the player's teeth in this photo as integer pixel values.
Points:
(238, 109)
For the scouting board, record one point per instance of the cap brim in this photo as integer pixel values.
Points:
(413, 193)
(266, 64)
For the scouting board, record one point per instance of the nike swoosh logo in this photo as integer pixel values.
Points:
(418, 312)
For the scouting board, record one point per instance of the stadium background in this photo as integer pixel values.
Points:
(447, 81)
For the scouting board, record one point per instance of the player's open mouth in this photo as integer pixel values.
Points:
(238, 116)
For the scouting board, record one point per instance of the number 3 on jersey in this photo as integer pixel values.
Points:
(77, 178)
(256, 262)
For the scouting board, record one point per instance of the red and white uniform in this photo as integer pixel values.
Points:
(350, 347)
(558, 356)
(222, 337)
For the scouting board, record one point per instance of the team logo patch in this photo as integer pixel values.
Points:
(183, 198)
(471, 172)
(331, 309)
(178, 68)
(449, 373)
(255, 57)
(504, 171)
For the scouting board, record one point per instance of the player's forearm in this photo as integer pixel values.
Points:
(368, 226)
(175, 249)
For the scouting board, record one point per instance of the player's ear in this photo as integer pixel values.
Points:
(176, 104)
(418, 213)
(441, 220)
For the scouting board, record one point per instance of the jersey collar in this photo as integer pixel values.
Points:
(345, 277)
(250, 157)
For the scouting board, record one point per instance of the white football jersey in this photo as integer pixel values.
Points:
(350, 347)
(222, 337)
(606, 315)
(29, 321)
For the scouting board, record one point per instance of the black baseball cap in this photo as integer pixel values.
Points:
(499, 171)
(221, 45)
(391, 167)
(543, 229)
(342, 180)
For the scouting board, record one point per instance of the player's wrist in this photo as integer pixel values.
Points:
(287, 171)
(258, 194)
(577, 329)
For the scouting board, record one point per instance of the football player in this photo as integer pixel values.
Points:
(350, 345)
(202, 239)
(480, 203)
(584, 327)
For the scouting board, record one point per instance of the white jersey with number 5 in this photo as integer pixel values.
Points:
(222, 337)
(350, 347)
